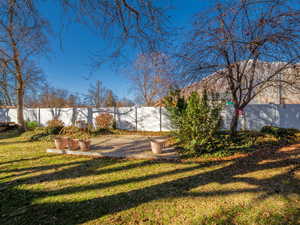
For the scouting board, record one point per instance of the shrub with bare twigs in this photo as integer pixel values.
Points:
(104, 121)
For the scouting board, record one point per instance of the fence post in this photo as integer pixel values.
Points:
(115, 118)
(39, 116)
(160, 119)
(90, 118)
(136, 121)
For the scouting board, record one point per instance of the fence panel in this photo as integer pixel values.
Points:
(126, 118)
(156, 119)
(98, 111)
(257, 116)
(12, 115)
(165, 121)
(4, 115)
(289, 116)
(148, 119)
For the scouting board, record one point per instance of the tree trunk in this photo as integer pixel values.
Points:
(234, 122)
(20, 106)
(17, 61)
(20, 91)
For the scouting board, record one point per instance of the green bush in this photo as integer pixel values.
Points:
(287, 132)
(196, 121)
(53, 130)
(31, 125)
(269, 130)
(279, 132)
(38, 134)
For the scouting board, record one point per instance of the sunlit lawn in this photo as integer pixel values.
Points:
(39, 188)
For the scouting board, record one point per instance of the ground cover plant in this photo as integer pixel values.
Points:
(197, 128)
(244, 142)
(39, 188)
(31, 125)
(56, 128)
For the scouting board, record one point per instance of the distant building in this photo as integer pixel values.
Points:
(276, 92)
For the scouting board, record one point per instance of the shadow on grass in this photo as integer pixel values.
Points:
(19, 207)
(10, 134)
(229, 215)
(232, 148)
(24, 160)
(13, 142)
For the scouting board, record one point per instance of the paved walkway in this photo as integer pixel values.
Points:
(122, 146)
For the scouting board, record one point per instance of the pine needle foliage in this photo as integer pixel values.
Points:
(195, 120)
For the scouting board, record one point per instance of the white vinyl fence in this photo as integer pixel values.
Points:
(156, 118)
(127, 118)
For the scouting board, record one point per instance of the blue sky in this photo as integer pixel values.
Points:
(67, 66)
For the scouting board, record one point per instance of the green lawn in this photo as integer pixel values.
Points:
(39, 188)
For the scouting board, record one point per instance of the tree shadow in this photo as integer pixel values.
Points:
(229, 216)
(10, 134)
(27, 159)
(13, 142)
(236, 170)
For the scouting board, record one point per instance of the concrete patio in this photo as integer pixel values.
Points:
(122, 146)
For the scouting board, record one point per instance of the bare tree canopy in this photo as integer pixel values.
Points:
(151, 77)
(51, 97)
(110, 99)
(22, 36)
(96, 94)
(125, 23)
(237, 43)
(33, 82)
(6, 85)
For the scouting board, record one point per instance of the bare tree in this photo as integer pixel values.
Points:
(151, 78)
(139, 23)
(96, 94)
(125, 102)
(51, 97)
(21, 37)
(110, 99)
(33, 80)
(248, 46)
(142, 24)
(6, 84)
